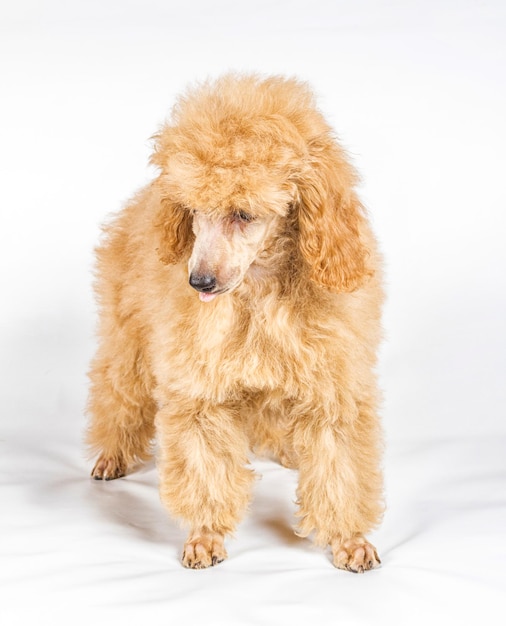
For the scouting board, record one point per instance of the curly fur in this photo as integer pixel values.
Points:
(282, 362)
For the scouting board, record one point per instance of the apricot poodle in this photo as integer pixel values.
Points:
(240, 296)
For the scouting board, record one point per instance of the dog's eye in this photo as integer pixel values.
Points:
(242, 216)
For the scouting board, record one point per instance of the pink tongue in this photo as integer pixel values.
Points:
(207, 297)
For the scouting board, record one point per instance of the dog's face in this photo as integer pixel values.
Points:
(223, 219)
(233, 162)
(225, 247)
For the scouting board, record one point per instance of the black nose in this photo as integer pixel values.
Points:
(203, 282)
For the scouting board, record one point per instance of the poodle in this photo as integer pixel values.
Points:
(240, 296)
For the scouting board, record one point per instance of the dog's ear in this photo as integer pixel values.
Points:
(330, 218)
(174, 225)
(172, 221)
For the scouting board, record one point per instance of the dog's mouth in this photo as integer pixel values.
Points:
(208, 297)
(206, 285)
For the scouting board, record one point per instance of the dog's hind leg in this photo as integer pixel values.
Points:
(120, 405)
(204, 480)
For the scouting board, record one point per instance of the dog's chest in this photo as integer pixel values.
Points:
(230, 352)
(248, 352)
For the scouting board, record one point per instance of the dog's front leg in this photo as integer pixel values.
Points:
(340, 483)
(204, 480)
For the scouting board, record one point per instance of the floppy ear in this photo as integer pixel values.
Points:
(173, 221)
(174, 224)
(330, 219)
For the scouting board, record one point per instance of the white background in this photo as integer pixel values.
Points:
(416, 90)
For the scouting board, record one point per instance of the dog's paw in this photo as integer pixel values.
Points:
(203, 549)
(108, 468)
(355, 555)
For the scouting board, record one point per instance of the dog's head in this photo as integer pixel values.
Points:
(242, 158)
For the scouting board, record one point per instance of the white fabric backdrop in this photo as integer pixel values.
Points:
(417, 92)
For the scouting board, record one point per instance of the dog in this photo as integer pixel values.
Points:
(240, 299)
